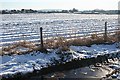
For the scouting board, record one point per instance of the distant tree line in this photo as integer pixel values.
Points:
(36, 11)
(97, 11)
(18, 11)
(76, 11)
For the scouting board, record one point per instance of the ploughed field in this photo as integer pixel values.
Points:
(16, 27)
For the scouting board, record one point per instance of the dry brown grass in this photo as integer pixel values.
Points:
(80, 42)
(60, 42)
(12, 49)
(65, 48)
(88, 41)
(55, 43)
(0, 50)
(63, 43)
(94, 36)
(49, 43)
(118, 35)
(118, 32)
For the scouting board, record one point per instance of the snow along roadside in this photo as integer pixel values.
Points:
(24, 63)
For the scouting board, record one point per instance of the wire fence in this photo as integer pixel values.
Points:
(12, 32)
(31, 37)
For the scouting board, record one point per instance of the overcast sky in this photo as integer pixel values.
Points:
(59, 4)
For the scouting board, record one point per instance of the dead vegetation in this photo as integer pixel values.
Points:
(117, 34)
(19, 48)
(85, 41)
(60, 42)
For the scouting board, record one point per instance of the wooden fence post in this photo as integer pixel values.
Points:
(42, 48)
(41, 37)
(118, 35)
(105, 34)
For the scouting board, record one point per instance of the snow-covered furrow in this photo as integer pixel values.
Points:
(46, 35)
(16, 27)
(36, 37)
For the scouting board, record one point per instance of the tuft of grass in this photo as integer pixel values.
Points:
(80, 42)
(112, 39)
(65, 48)
(49, 43)
(117, 34)
(1, 50)
(94, 36)
(12, 48)
(42, 49)
(60, 42)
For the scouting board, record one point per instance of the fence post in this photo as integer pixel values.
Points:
(118, 35)
(41, 37)
(105, 34)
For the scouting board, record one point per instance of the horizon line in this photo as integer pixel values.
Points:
(59, 9)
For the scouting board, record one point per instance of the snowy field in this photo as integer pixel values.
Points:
(24, 63)
(16, 27)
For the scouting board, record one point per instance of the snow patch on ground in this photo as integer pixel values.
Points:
(24, 63)
(95, 50)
